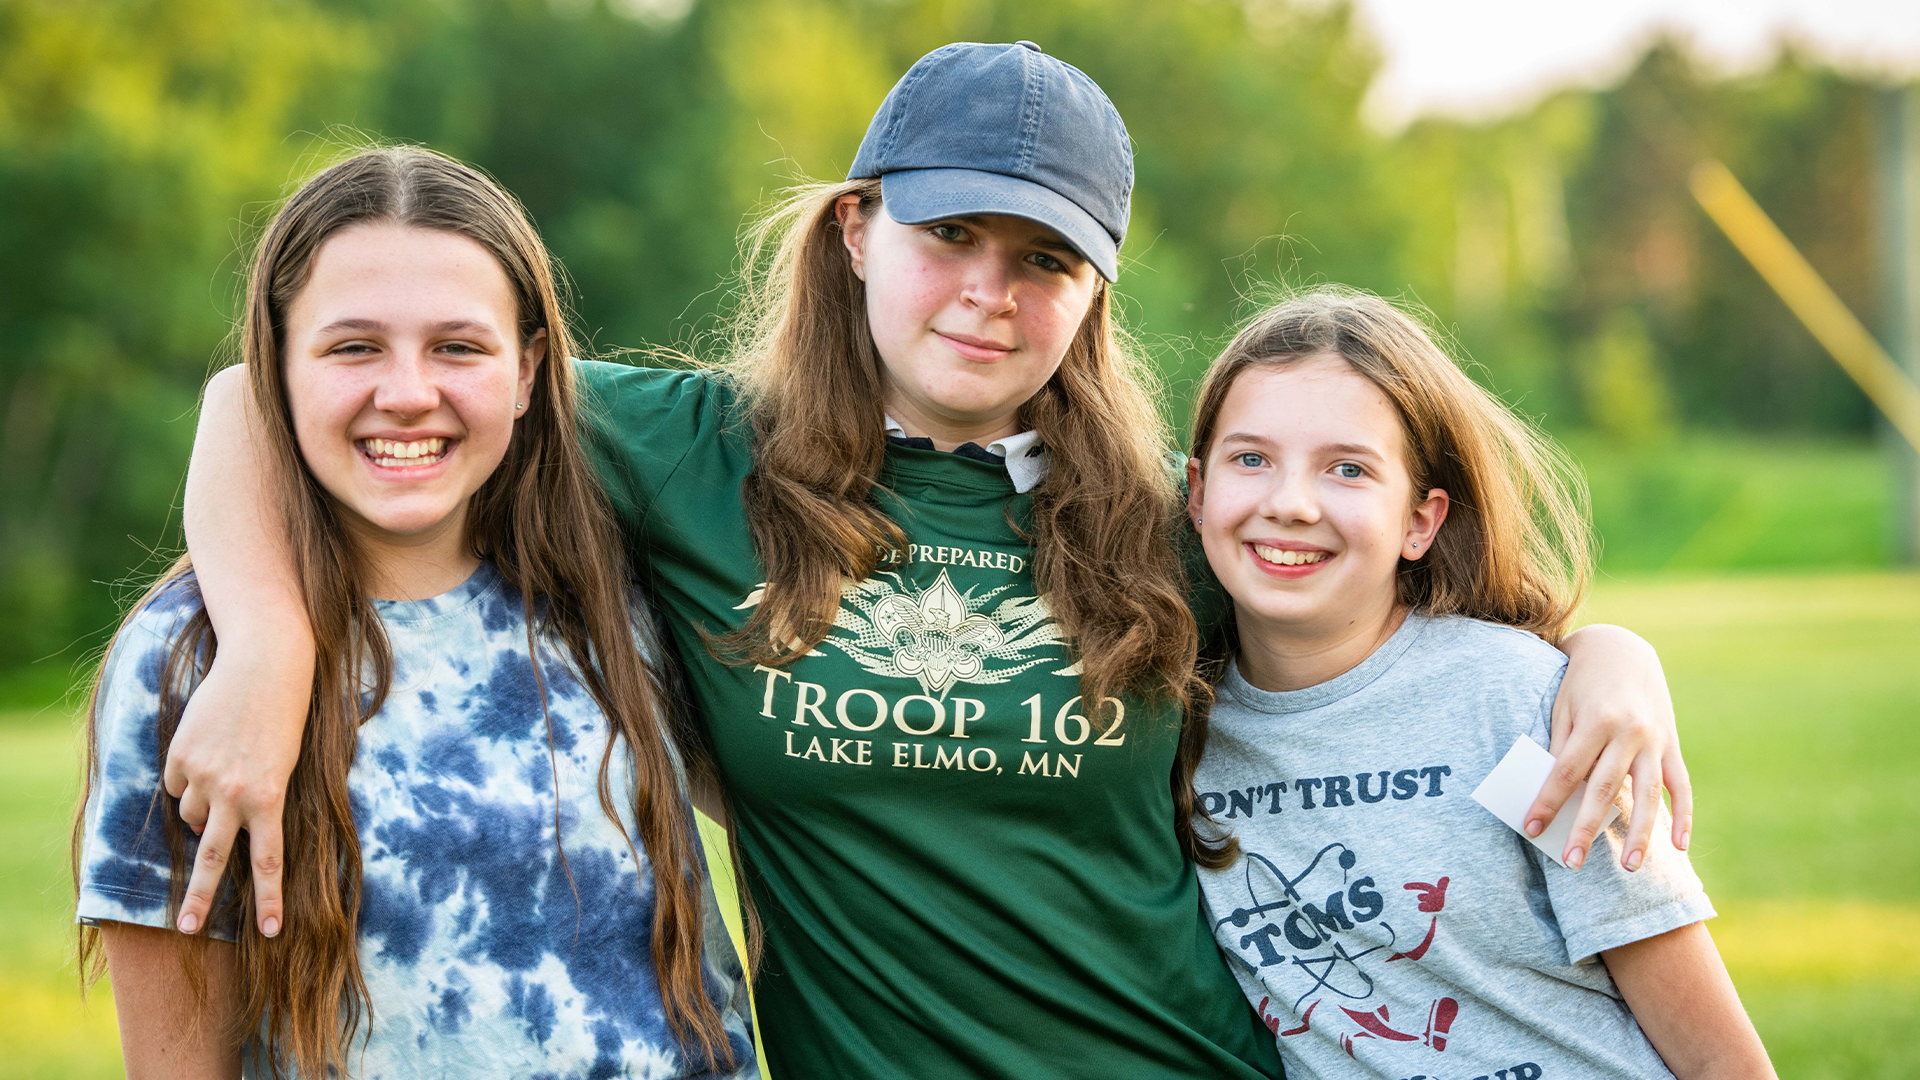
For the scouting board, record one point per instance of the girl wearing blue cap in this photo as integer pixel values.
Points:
(916, 542)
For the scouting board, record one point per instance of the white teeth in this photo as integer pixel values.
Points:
(393, 453)
(1286, 557)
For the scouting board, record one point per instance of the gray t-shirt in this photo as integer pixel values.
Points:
(1381, 921)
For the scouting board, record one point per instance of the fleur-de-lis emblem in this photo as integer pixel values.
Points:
(941, 637)
(937, 640)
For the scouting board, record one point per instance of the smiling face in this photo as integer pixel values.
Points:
(971, 316)
(404, 375)
(1305, 503)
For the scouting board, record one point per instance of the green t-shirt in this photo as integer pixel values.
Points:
(963, 869)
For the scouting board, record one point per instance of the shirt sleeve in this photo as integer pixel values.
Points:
(125, 869)
(640, 424)
(1602, 906)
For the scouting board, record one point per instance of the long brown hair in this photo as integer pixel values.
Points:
(1103, 520)
(1516, 547)
(539, 518)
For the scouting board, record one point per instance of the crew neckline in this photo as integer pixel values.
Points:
(482, 582)
(1343, 685)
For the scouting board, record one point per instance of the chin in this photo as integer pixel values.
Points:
(404, 521)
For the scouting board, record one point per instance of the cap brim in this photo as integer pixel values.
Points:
(917, 196)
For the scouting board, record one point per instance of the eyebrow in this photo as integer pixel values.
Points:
(451, 326)
(1356, 449)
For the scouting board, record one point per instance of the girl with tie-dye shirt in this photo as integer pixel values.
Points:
(495, 869)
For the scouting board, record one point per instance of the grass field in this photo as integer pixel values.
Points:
(1800, 703)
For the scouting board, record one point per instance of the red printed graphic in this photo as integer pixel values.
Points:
(1440, 1018)
(1305, 1019)
(1432, 897)
(1323, 932)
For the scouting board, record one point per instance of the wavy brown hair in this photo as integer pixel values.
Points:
(1102, 524)
(539, 518)
(1516, 547)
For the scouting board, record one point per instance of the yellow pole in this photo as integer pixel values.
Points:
(1808, 296)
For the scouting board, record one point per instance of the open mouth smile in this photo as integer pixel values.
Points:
(1287, 562)
(394, 454)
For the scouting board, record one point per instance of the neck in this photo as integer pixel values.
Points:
(1293, 656)
(950, 432)
(415, 566)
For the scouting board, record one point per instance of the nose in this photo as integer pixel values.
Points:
(1292, 498)
(406, 388)
(989, 284)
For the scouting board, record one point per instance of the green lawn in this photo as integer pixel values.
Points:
(1800, 703)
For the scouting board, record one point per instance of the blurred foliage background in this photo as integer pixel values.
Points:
(142, 143)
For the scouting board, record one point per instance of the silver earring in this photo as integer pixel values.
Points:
(1199, 521)
(519, 404)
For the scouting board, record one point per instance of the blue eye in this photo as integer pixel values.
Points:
(1247, 459)
(1349, 471)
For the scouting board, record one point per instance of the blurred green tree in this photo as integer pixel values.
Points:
(142, 141)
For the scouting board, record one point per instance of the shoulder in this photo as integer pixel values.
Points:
(1473, 646)
(140, 649)
(611, 389)
(1485, 669)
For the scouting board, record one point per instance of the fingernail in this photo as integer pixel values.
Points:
(270, 926)
(189, 922)
(1684, 837)
(1576, 858)
(1535, 827)
(1633, 859)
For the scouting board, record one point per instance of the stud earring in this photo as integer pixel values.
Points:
(519, 405)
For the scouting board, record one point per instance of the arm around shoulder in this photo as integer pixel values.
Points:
(1684, 1001)
(1614, 718)
(240, 735)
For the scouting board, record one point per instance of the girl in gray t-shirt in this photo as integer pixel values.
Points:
(1397, 545)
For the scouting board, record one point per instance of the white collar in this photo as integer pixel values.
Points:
(1024, 455)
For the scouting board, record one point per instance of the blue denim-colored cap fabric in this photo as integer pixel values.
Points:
(1004, 129)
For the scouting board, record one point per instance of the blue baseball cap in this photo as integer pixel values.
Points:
(1003, 129)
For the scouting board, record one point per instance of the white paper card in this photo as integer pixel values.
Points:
(1510, 788)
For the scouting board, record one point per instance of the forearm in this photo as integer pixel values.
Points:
(237, 534)
(1684, 1001)
(1604, 642)
(164, 1032)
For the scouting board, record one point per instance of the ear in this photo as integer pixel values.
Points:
(1423, 524)
(530, 360)
(1196, 491)
(853, 231)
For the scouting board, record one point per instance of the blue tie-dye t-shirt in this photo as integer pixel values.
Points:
(482, 953)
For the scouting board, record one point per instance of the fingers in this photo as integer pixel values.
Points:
(194, 808)
(1646, 810)
(174, 775)
(263, 843)
(1571, 764)
(209, 865)
(1602, 785)
(1681, 788)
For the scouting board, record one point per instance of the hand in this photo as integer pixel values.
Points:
(229, 763)
(1614, 718)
